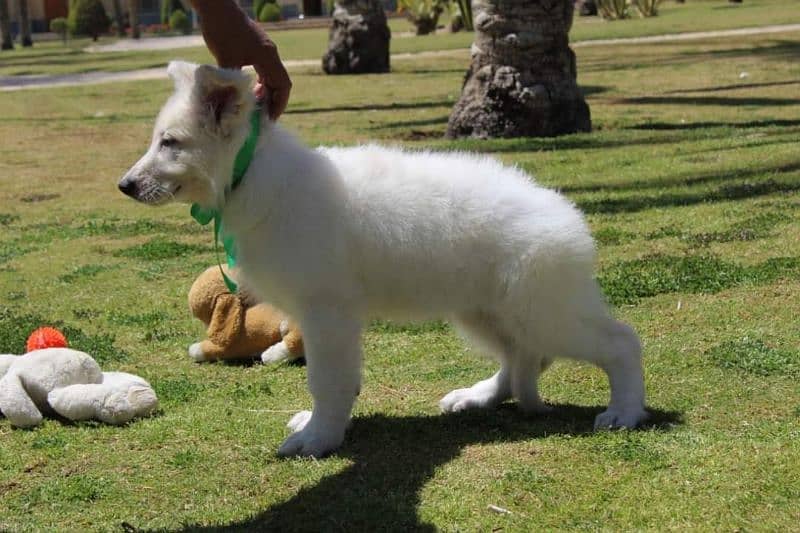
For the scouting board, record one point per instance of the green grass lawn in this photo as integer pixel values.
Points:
(704, 15)
(690, 183)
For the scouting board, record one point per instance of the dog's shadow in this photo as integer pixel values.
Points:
(393, 458)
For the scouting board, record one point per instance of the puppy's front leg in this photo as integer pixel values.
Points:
(333, 362)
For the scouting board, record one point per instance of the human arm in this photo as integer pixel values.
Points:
(235, 41)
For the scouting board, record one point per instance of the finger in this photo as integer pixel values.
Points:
(260, 91)
(278, 103)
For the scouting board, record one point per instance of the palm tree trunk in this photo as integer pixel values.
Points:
(133, 18)
(359, 38)
(522, 78)
(119, 20)
(5, 27)
(24, 23)
(312, 8)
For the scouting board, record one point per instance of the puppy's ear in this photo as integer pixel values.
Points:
(182, 74)
(224, 96)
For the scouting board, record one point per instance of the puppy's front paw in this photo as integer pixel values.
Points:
(475, 397)
(309, 439)
(275, 353)
(620, 418)
(196, 352)
(299, 421)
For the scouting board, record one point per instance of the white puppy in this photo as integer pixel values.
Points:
(337, 236)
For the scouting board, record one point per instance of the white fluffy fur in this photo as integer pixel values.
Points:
(339, 235)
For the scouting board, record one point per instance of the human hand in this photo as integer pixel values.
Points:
(236, 41)
(273, 85)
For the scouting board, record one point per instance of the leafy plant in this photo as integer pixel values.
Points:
(59, 25)
(168, 7)
(87, 17)
(270, 13)
(647, 8)
(613, 9)
(180, 21)
(258, 6)
(465, 12)
(424, 14)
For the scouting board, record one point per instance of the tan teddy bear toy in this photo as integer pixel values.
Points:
(239, 328)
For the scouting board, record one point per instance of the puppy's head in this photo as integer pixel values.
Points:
(196, 137)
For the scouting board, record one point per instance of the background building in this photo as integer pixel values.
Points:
(41, 12)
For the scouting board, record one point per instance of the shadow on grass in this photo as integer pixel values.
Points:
(394, 457)
(433, 121)
(371, 107)
(584, 141)
(669, 126)
(777, 49)
(762, 101)
(734, 87)
(739, 191)
(726, 177)
(664, 55)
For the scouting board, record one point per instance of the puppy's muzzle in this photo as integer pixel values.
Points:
(128, 187)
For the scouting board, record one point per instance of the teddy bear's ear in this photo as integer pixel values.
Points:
(227, 320)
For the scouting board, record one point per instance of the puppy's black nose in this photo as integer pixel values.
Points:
(127, 186)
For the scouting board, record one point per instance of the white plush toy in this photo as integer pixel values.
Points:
(71, 384)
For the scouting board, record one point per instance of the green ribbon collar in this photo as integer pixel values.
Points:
(206, 215)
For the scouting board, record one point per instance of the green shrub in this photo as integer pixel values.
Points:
(613, 9)
(647, 8)
(59, 25)
(465, 12)
(168, 7)
(180, 21)
(258, 5)
(424, 14)
(270, 13)
(87, 17)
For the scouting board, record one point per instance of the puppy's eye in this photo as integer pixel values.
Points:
(168, 142)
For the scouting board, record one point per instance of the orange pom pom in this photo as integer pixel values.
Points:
(45, 337)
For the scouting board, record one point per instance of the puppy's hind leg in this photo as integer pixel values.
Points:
(481, 330)
(526, 367)
(593, 335)
(619, 354)
(333, 359)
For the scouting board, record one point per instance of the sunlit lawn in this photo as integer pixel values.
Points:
(690, 181)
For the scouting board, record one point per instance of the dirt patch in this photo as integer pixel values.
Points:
(40, 197)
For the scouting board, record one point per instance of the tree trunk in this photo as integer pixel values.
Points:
(312, 8)
(133, 18)
(586, 8)
(522, 79)
(359, 38)
(24, 24)
(5, 27)
(119, 20)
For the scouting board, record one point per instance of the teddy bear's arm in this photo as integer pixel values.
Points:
(77, 402)
(16, 404)
(294, 342)
(120, 398)
(206, 351)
